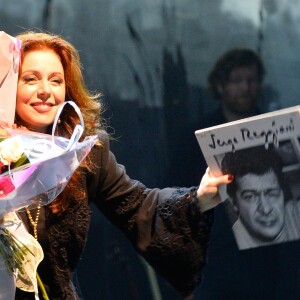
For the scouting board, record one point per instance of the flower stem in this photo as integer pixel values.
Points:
(42, 287)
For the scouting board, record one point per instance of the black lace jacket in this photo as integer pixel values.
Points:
(165, 226)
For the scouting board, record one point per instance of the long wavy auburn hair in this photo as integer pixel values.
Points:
(76, 91)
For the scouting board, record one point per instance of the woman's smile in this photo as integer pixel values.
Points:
(42, 107)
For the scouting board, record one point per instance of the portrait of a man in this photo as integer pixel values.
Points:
(260, 198)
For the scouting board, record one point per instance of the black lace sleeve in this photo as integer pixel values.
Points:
(164, 225)
(177, 238)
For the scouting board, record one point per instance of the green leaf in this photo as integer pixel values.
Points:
(22, 160)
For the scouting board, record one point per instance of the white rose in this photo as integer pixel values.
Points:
(11, 150)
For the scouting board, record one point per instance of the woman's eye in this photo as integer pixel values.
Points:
(57, 80)
(29, 79)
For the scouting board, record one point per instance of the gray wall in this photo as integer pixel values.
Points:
(132, 36)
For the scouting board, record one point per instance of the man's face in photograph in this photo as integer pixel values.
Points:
(260, 203)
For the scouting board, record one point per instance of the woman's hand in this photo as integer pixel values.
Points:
(207, 192)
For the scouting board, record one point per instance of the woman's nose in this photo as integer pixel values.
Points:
(44, 90)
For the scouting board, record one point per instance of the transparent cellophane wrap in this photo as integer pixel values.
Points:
(49, 169)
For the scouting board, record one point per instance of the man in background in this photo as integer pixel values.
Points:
(260, 273)
(235, 82)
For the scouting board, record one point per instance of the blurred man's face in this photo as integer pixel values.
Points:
(260, 202)
(240, 93)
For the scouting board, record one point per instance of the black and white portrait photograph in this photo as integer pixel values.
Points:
(263, 203)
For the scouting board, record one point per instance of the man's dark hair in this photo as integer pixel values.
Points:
(227, 62)
(257, 161)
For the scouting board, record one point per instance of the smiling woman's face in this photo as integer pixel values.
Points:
(41, 89)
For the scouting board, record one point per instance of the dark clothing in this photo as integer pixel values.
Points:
(270, 272)
(213, 118)
(165, 226)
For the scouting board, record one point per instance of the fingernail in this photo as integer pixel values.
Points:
(230, 177)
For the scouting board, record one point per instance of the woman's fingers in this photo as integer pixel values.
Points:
(207, 192)
(223, 179)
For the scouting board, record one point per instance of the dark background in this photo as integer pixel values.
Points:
(150, 60)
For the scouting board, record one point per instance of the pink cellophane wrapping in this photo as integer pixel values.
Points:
(46, 175)
(9, 67)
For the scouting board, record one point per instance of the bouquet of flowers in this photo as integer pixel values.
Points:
(34, 169)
